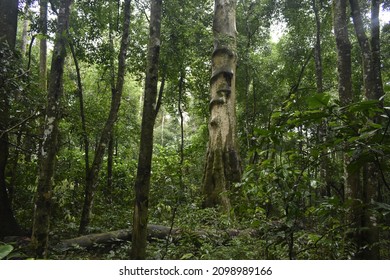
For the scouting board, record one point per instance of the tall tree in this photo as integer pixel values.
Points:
(222, 160)
(344, 69)
(8, 21)
(117, 89)
(369, 232)
(150, 110)
(23, 40)
(317, 47)
(325, 171)
(80, 93)
(369, 79)
(43, 44)
(343, 44)
(375, 48)
(8, 27)
(48, 151)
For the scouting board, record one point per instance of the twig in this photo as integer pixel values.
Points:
(18, 124)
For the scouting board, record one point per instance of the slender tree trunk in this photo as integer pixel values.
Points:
(23, 40)
(162, 128)
(43, 45)
(41, 222)
(150, 110)
(365, 48)
(80, 94)
(343, 44)
(317, 48)
(8, 27)
(181, 114)
(375, 50)
(13, 173)
(222, 160)
(352, 187)
(93, 173)
(110, 164)
(369, 233)
(322, 130)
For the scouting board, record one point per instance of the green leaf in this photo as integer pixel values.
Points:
(5, 250)
(261, 132)
(364, 106)
(187, 256)
(276, 115)
(375, 125)
(383, 206)
(319, 100)
(368, 134)
(256, 224)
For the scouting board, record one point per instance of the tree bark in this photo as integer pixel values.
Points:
(8, 22)
(344, 68)
(93, 173)
(222, 159)
(369, 233)
(8, 27)
(80, 93)
(375, 50)
(365, 48)
(48, 151)
(352, 187)
(153, 232)
(322, 130)
(43, 45)
(150, 109)
(317, 48)
(110, 165)
(23, 40)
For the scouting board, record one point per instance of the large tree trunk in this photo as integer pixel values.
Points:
(222, 160)
(369, 233)
(8, 26)
(41, 223)
(8, 21)
(93, 173)
(344, 67)
(154, 232)
(150, 109)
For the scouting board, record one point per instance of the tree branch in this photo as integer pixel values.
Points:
(19, 124)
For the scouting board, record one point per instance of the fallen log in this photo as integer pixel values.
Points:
(154, 232)
(121, 235)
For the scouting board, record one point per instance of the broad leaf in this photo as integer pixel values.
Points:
(318, 101)
(5, 250)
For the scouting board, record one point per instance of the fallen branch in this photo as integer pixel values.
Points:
(154, 232)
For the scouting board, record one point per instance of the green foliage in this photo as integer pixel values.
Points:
(291, 202)
(283, 195)
(5, 250)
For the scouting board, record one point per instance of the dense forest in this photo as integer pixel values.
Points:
(194, 129)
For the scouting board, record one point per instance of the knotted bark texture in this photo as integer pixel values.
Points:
(222, 161)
